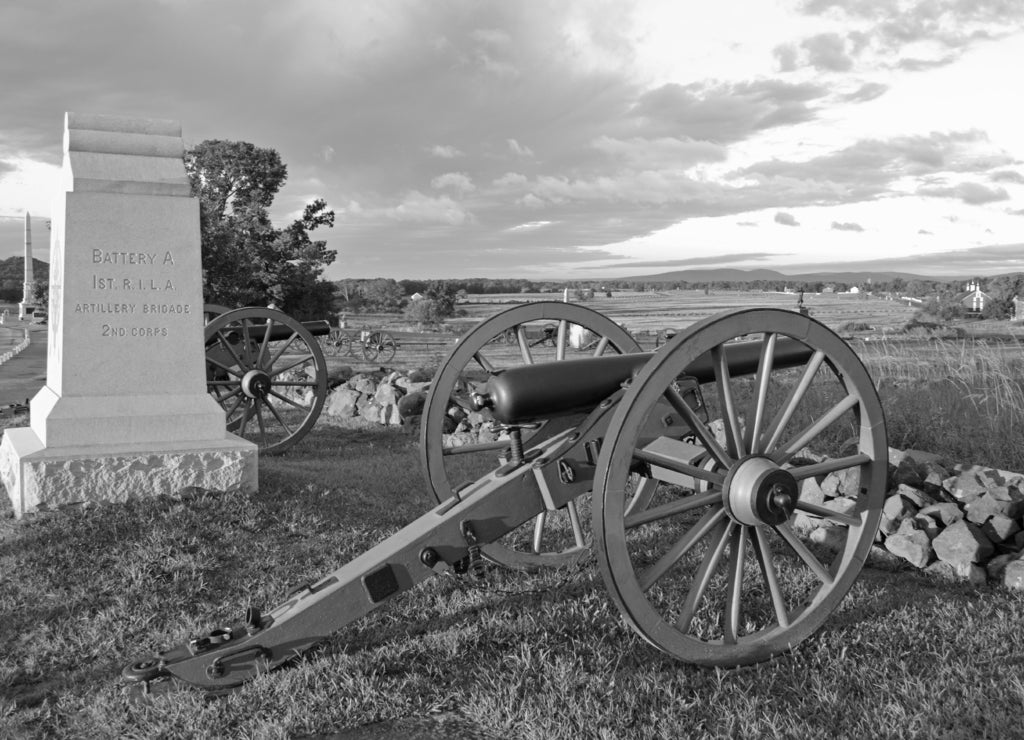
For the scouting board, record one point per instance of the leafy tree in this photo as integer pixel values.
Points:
(383, 294)
(423, 311)
(246, 261)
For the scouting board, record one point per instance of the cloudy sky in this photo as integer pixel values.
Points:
(561, 139)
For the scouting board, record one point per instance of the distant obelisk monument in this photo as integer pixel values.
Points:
(27, 305)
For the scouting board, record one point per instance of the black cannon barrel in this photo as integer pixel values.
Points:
(278, 333)
(533, 393)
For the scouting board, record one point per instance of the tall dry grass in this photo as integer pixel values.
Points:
(960, 398)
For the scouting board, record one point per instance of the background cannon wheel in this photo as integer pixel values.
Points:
(269, 375)
(756, 562)
(338, 343)
(553, 538)
(212, 311)
(379, 347)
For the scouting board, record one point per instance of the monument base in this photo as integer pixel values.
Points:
(37, 477)
(26, 311)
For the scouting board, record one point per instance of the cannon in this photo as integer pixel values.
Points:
(697, 468)
(268, 373)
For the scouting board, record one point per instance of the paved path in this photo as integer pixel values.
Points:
(25, 373)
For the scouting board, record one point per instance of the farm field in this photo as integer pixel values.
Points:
(654, 311)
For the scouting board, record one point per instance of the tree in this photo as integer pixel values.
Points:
(423, 311)
(246, 261)
(383, 294)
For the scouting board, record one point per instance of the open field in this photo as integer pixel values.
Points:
(530, 656)
(85, 591)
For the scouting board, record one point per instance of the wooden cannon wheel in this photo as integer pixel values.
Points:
(268, 373)
(553, 538)
(379, 346)
(337, 343)
(735, 573)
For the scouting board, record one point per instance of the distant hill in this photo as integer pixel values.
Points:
(12, 276)
(746, 276)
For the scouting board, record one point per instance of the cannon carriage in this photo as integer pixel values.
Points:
(690, 473)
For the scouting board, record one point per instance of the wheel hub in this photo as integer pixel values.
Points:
(256, 384)
(758, 491)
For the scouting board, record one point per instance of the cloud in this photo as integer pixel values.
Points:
(719, 260)
(724, 112)
(924, 232)
(867, 91)
(786, 219)
(666, 152)
(900, 33)
(415, 207)
(529, 226)
(837, 226)
(519, 150)
(971, 193)
(870, 167)
(456, 180)
(1007, 176)
(827, 51)
(445, 151)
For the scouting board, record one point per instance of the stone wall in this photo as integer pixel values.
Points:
(957, 521)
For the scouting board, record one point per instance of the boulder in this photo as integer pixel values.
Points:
(411, 404)
(338, 375)
(1013, 575)
(961, 543)
(387, 394)
(913, 545)
(342, 403)
(420, 375)
(967, 486)
(897, 508)
(926, 524)
(945, 513)
(970, 572)
(915, 496)
(997, 565)
(834, 538)
(370, 411)
(986, 506)
(1000, 528)
(907, 473)
(364, 383)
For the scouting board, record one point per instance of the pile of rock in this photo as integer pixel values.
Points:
(377, 397)
(957, 521)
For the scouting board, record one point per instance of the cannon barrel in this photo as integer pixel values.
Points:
(534, 393)
(278, 332)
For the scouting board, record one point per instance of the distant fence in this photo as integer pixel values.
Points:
(16, 349)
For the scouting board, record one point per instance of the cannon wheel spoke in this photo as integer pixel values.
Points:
(272, 390)
(732, 574)
(527, 334)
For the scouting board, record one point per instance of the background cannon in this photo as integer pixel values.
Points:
(692, 477)
(268, 373)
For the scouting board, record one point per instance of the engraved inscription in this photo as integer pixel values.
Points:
(109, 330)
(112, 283)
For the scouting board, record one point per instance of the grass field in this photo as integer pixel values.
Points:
(85, 591)
(536, 656)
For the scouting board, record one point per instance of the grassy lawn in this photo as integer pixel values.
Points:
(82, 593)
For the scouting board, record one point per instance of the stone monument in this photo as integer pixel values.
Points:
(125, 412)
(28, 300)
